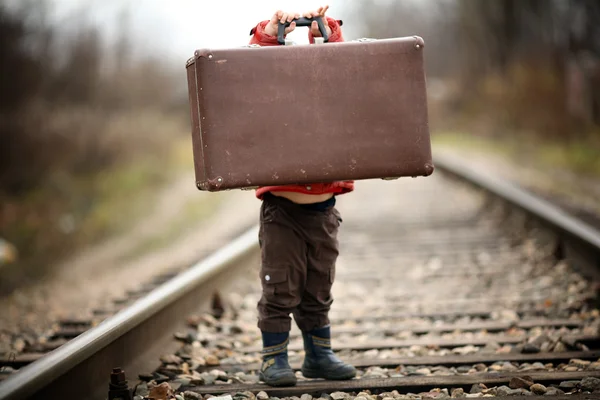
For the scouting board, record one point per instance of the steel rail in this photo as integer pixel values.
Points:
(65, 360)
(579, 241)
(79, 364)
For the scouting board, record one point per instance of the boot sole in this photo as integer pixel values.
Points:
(315, 374)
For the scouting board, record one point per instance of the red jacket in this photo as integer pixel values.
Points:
(340, 187)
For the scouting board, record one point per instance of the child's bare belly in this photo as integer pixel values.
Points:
(301, 198)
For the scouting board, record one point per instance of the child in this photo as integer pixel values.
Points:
(298, 240)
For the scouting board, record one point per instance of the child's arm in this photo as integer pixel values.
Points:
(334, 28)
(335, 31)
(265, 33)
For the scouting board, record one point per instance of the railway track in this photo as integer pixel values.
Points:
(450, 286)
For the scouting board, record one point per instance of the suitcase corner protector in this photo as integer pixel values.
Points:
(429, 168)
(210, 185)
(419, 42)
(206, 53)
(200, 186)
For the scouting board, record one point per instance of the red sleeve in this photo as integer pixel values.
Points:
(260, 37)
(336, 31)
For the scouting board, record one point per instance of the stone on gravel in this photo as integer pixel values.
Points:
(533, 367)
(161, 392)
(306, 397)
(187, 337)
(591, 384)
(571, 368)
(463, 369)
(580, 363)
(538, 388)
(434, 395)
(471, 395)
(196, 379)
(171, 359)
(523, 382)
(244, 396)
(142, 389)
(325, 396)
(371, 353)
(339, 395)
(560, 348)
(480, 367)
(470, 349)
(595, 366)
(208, 378)
(491, 347)
(509, 315)
(228, 397)
(508, 367)
(218, 373)
(545, 347)
(208, 320)
(568, 385)
(552, 391)
(477, 388)
(530, 348)
(520, 392)
(211, 359)
(506, 349)
(458, 392)
(262, 396)
(503, 391)
(423, 371)
(188, 395)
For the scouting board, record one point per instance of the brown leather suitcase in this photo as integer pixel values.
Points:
(304, 114)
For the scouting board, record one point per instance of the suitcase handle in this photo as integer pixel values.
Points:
(302, 22)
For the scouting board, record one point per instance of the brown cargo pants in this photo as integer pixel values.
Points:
(299, 248)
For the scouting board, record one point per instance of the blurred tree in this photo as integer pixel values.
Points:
(432, 20)
(526, 59)
(583, 62)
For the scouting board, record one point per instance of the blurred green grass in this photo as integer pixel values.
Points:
(70, 213)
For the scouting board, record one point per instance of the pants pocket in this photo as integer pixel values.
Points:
(268, 212)
(276, 286)
(337, 216)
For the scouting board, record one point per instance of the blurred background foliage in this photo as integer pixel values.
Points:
(87, 129)
(525, 72)
(90, 128)
(530, 65)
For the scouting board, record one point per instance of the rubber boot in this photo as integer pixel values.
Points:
(276, 370)
(320, 361)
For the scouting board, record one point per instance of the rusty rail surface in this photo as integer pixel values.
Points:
(131, 338)
(135, 337)
(580, 242)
